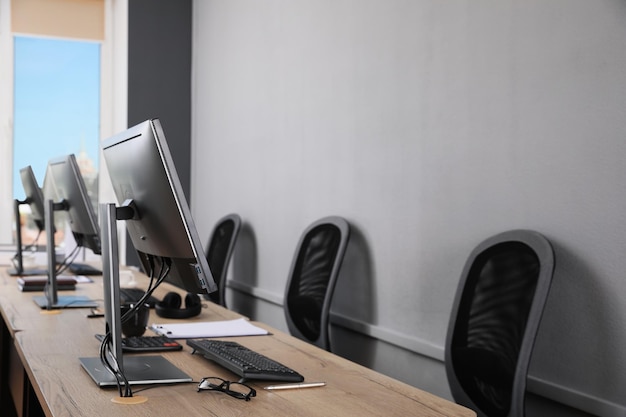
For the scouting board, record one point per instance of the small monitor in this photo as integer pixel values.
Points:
(34, 196)
(65, 191)
(159, 223)
(68, 187)
(34, 199)
(142, 172)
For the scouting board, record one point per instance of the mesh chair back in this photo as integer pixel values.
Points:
(495, 319)
(219, 251)
(312, 279)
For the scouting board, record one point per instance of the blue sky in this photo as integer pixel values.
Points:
(56, 103)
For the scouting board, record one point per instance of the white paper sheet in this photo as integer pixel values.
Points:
(237, 327)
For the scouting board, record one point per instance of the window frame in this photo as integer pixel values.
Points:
(113, 102)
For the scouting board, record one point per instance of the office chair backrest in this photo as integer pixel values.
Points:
(312, 279)
(219, 251)
(494, 321)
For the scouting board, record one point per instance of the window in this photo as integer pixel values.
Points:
(90, 21)
(56, 112)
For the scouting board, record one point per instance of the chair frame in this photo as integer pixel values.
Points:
(544, 252)
(323, 341)
(221, 279)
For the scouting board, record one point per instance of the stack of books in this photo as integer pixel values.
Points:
(38, 283)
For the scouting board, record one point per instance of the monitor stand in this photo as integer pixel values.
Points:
(27, 272)
(136, 369)
(139, 370)
(51, 299)
(19, 269)
(64, 301)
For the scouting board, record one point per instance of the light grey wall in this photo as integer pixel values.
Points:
(430, 125)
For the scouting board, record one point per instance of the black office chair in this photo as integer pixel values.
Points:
(312, 279)
(494, 322)
(219, 251)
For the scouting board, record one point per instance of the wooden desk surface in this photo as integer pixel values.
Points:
(50, 345)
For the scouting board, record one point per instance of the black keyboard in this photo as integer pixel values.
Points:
(132, 295)
(84, 269)
(147, 343)
(244, 362)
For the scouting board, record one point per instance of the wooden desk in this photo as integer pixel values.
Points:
(48, 348)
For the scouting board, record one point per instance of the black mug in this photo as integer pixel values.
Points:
(137, 322)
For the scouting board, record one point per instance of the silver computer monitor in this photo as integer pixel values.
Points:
(34, 195)
(65, 191)
(151, 201)
(142, 171)
(34, 199)
(68, 187)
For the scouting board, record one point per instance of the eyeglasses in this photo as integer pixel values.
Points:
(234, 389)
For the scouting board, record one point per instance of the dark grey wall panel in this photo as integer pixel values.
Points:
(159, 76)
(159, 72)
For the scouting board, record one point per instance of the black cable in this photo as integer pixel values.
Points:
(20, 251)
(163, 273)
(105, 346)
(62, 267)
(114, 368)
(34, 244)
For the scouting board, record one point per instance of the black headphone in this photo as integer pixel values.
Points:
(169, 307)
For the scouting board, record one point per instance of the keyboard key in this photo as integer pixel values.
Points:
(147, 343)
